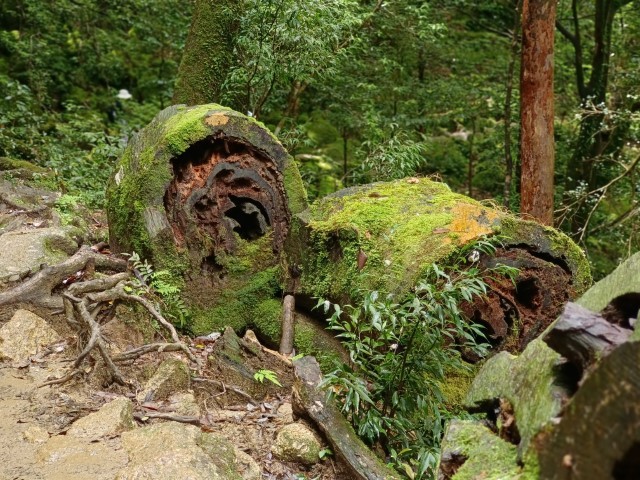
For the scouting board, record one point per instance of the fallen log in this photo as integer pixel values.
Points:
(310, 402)
(385, 236)
(211, 196)
(574, 406)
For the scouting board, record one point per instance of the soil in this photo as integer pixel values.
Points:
(53, 409)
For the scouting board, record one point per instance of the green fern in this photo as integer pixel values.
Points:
(160, 284)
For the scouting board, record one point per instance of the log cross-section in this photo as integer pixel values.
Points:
(224, 186)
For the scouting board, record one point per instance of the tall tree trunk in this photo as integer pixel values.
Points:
(536, 109)
(208, 53)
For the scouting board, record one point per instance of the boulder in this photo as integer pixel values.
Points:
(171, 376)
(173, 451)
(297, 443)
(35, 434)
(24, 251)
(25, 335)
(77, 458)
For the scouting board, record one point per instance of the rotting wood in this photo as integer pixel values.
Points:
(583, 337)
(310, 401)
(288, 325)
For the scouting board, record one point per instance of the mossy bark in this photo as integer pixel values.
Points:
(208, 53)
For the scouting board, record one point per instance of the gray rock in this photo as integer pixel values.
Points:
(112, 419)
(24, 335)
(247, 466)
(173, 451)
(172, 376)
(24, 251)
(297, 443)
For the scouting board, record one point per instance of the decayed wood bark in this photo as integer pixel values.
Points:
(583, 337)
(310, 402)
(536, 109)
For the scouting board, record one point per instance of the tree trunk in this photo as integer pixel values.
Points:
(536, 109)
(208, 53)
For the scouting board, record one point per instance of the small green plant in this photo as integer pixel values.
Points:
(262, 375)
(324, 453)
(161, 284)
(400, 349)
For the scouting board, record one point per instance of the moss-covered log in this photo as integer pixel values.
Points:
(387, 235)
(208, 194)
(569, 422)
(211, 196)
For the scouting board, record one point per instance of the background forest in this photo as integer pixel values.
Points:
(358, 91)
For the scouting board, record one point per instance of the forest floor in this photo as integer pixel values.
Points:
(37, 422)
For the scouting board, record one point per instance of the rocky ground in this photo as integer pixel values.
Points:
(198, 413)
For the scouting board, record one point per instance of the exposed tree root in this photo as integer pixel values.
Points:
(38, 290)
(224, 387)
(83, 301)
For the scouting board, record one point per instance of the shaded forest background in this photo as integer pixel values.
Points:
(358, 91)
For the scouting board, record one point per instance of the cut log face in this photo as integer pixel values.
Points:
(226, 188)
(207, 194)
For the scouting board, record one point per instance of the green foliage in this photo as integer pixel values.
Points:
(61, 65)
(400, 349)
(162, 286)
(283, 41)
(262, 375)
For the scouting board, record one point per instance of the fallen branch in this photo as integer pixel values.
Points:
(149, 348)
(197, 421)
(583, 337)
(310, 402)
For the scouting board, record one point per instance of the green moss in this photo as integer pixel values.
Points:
(487, 455)
(402, 227)
(456, 386)
(294, 188)
(528, 381)
(238, 307)
(7, 163)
